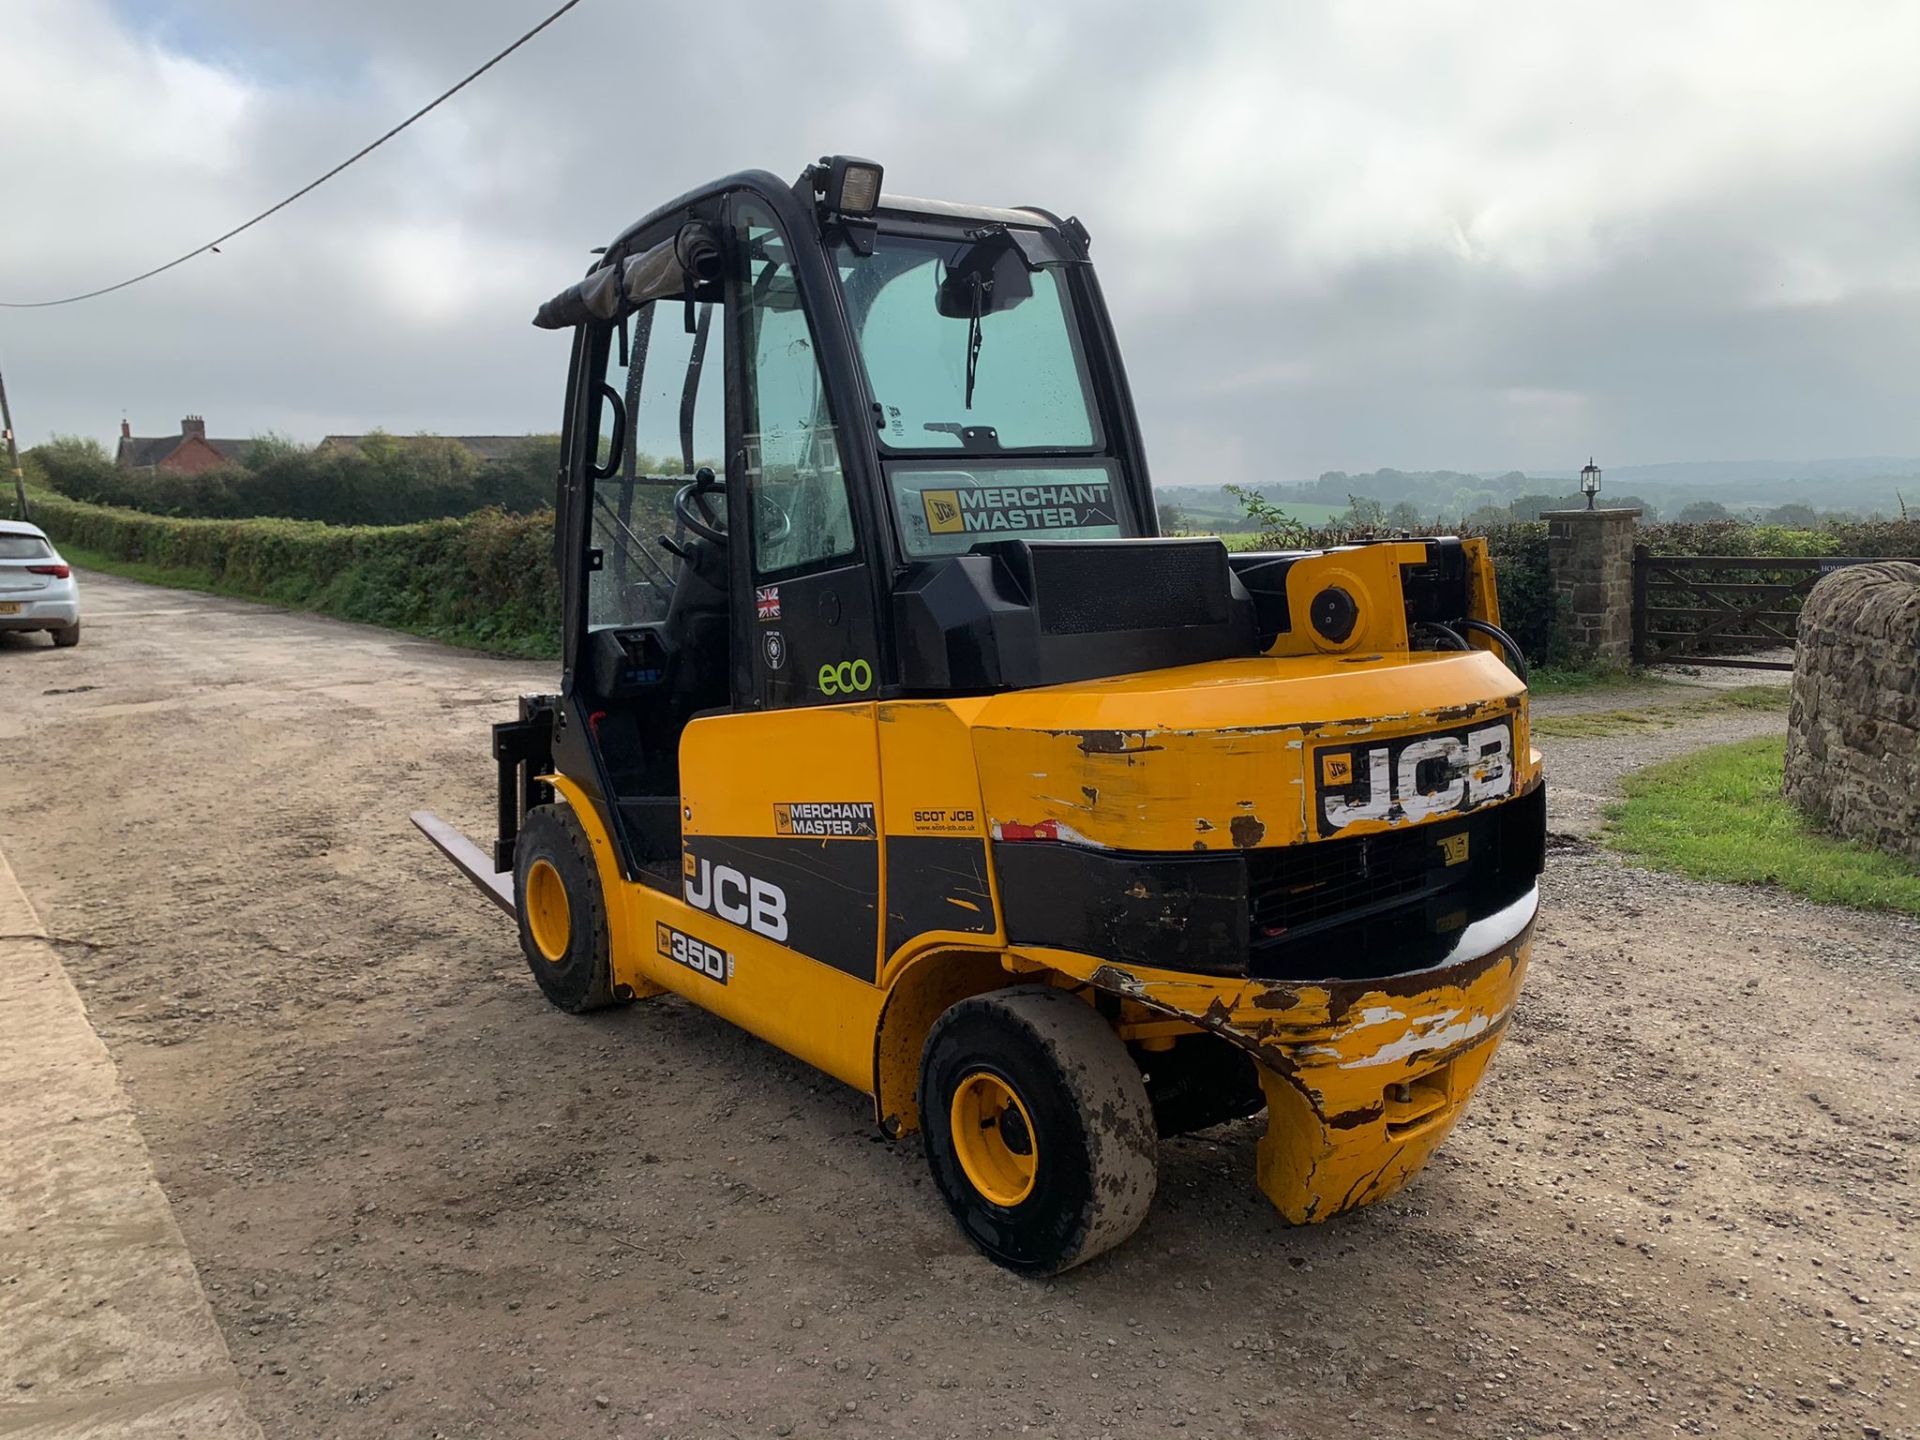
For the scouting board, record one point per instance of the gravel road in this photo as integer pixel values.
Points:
(426, 1204)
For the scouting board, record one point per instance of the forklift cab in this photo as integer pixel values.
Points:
(789, 408)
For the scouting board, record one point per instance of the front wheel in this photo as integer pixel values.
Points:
(563, 917)
(1038, 1128)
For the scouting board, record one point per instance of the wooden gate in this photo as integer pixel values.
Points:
(1719, 609)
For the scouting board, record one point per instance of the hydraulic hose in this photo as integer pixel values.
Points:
(1516, 660)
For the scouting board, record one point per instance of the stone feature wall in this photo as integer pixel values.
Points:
(1590, 556)
(1853, 735)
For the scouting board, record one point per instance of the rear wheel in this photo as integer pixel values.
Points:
(563, 916)
(1038, 1129)
(67, 638)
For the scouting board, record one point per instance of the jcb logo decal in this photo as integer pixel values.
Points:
(1416, 778)
(849, 677)
(943, 511)
(757, 905)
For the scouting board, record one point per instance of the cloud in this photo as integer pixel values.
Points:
(1334, 236)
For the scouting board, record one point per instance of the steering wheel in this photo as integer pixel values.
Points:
(693, 507)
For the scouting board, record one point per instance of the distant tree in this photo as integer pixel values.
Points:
(1795, 516)
(1405, 515)
(1172, 520)
(1703, 512)
(75, 465)
(1278, 530)
(1528, 507)
(1363, 512)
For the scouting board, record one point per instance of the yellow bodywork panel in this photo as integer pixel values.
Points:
(1215, 757)
(809, 1009)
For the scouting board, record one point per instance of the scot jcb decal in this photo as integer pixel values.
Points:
(766, 602)
(946, 822)
(825, 819)
(697, 955)
(1414, 778)
(992, 508)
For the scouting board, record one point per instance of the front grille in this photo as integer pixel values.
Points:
(1387, 902)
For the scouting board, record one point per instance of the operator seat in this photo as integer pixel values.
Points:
(695, 627)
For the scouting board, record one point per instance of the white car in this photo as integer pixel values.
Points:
(37, 589)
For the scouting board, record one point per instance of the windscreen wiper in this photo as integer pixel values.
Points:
(973, 336)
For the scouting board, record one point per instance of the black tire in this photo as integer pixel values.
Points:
(553, 851)
(1092, 1157)
(67, 638)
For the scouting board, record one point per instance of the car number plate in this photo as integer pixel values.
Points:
(1415, 777)
(11, 607)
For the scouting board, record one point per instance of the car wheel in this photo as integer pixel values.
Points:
(1038, 1128)
(67, 638)
(563, 916)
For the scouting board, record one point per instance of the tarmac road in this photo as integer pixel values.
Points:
(423, 1203)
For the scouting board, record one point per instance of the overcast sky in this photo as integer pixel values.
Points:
(1431, 234)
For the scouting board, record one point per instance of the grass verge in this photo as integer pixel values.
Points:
(1718, 814)
(1545, 680)
(1591, 724)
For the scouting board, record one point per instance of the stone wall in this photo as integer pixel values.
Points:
(1590, 555)
(1853, 736)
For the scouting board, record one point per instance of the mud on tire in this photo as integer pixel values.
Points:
(1067, 1090)
(562, 914)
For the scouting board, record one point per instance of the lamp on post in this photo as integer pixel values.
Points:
(1590, 481)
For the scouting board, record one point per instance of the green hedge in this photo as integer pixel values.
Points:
(388, 480)
(485, 580)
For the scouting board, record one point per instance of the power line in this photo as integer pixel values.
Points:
(303, 190)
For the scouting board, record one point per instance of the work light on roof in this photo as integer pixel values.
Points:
(853, 185)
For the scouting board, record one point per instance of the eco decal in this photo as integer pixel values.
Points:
(825, 819)
(991, 508)
(738, 898)
(849, 677)
(766, 602)
(1414, 778)
(697, 955)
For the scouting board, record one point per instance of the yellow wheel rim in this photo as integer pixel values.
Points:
(548, 916)
(993, 1138)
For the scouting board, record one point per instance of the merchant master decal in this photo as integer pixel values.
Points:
(997, 508)
(825, 819)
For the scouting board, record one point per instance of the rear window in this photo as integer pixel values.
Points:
(24, 547)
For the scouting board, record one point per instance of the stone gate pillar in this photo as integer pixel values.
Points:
(1590, 556)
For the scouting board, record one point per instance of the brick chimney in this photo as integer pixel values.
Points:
(193, 428)
(126, 430)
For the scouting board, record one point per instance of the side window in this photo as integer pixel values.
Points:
(800, 515)
(672, 386)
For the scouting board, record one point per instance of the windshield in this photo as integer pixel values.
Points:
(967, 349)
(974, 362)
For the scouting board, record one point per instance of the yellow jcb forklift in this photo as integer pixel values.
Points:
(916, 751)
